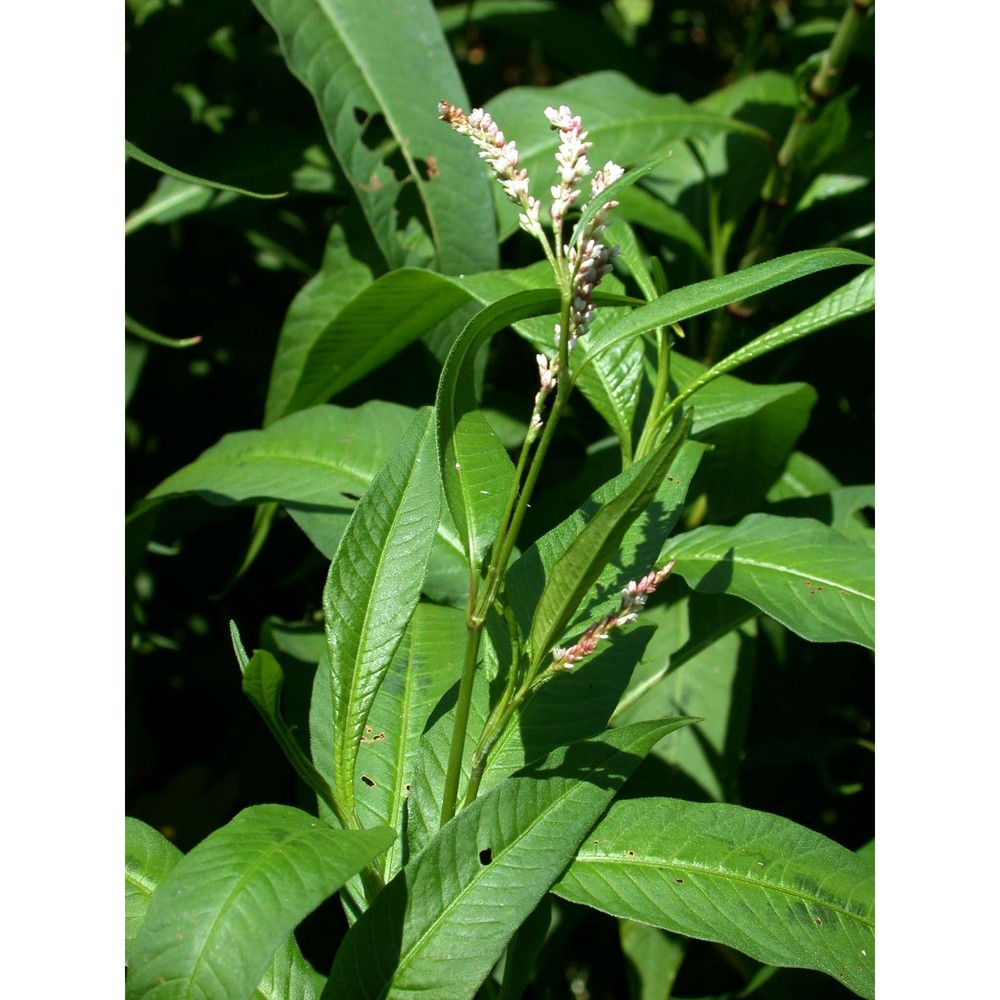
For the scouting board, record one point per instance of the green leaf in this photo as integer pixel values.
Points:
(755, 882)
(383, 127)
(317, 463)
(751, 429)
(225, 908)
(172, 200)
(703, 296)
(294, 461)
(137, 154)
(654, 959)
(149, 857)
(441, 924)
(853, 299)
(804, 574)
(623, 121)
(371, 329)
(612, 192)
(340, 279)
(475, 469)
(522, 951)
(611, 383)
(700, 662)
(638, 552)
(806, 488)
(373, 586)
(262, 681)
(584, 558)
(427, 663)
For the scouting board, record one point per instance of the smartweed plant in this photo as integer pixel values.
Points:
(486, 685)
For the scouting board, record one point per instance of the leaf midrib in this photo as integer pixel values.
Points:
(690, 867)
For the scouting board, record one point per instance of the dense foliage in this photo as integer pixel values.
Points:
(450, 755)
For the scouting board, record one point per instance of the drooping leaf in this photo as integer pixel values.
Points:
(383, 127)
(611, 382)
(132, 150)
(442, 922)
(224, 909)
(475, 468)
(373, 586)
(753, 881)
(805, 574)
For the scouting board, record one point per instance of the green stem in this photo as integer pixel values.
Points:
(457, 750)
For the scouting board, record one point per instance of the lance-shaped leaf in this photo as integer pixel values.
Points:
(340, 279)
(316, 463)
(703, 296)
(475, 469)
(131, 149)
(585, 556)
(262, 682)
(373, 586)
(801, 572)
(853, 299)
(427, 663)
(623, 121)
(149, 857)
(225, 908)
(376, 325)
(436, 930)
(756, 882)
(383, 126)
(611, 382)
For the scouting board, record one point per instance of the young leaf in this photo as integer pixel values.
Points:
(441, 924)
(220, 914)
(380, 121)
(586, 556)
(373, 586)
(262, 681)
(805, 574)
(758, 883)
